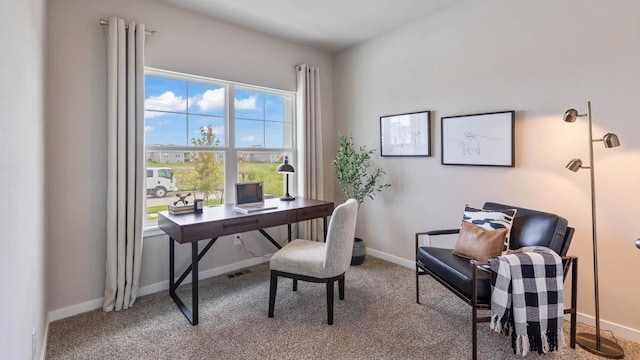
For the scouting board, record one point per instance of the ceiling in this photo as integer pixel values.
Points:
(327, 25)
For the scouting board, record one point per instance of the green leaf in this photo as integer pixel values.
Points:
(355, 172)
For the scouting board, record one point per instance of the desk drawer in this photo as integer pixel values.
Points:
(253, 222)
(231, 226)
(314, 212)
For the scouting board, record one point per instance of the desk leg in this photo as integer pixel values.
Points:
(271, 239)
(191, 315)
(172, 262)
(289, 232)
(194, 281)
(173, 285)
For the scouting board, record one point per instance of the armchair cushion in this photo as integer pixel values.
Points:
(455, 271)
(476, 243)
(491, 219)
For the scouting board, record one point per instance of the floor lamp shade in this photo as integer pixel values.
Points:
(594, 343)
(286, 168)
(571, 115)
(574, 165)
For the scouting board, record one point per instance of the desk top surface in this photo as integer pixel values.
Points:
(223, 220)
(226, 211)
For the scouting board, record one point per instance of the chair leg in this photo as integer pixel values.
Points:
(574, 302)
(272, 292)
(417, 287)
(341, 287)
(474, 312)
(474, 333)
(329, 301)
(295, 285)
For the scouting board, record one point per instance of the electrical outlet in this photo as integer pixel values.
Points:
(237, 241)
(426, 240)
(33, 344)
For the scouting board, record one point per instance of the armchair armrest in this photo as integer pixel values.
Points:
(474, 283)
(477, 263)
(434, 233)
(567, 261)
(440, 232)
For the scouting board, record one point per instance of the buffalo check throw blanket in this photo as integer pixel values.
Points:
(526, 293)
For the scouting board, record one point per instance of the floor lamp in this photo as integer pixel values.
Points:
(594, 343)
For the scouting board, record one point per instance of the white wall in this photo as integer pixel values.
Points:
(76, 151)
(538, 58)
(22, 245)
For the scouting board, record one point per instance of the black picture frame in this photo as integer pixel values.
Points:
(485, 139)
(406, 134)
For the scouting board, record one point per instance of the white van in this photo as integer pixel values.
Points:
(159, 181)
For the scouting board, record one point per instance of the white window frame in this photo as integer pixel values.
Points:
(229, 149)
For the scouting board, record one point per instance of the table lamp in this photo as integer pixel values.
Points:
(286, 168)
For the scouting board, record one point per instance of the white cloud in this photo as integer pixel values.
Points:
(148, 128)
(168, 101)
(210, 100)
(246, 104)
(249, 138)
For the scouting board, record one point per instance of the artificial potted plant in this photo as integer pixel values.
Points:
(358, 179)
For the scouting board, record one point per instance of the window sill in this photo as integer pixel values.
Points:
(152, 231)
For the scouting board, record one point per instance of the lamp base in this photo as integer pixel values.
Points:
(607, 349)
(288, 197)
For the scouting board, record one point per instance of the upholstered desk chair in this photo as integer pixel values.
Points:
(316, 261)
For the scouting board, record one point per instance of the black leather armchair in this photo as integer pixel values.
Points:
(473, 285)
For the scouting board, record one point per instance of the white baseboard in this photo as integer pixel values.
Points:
(75, 309)
(43, 343)
(392, 258)
(153, 288)
(618, 330)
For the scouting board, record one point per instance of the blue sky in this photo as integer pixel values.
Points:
(259, 116)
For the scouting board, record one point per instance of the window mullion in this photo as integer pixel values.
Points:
(231, 163)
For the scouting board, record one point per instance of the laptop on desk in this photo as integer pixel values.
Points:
(250, 198)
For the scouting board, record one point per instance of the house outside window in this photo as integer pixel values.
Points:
(204, 135)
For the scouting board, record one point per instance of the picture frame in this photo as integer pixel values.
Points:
(406, 134)
(485, 139)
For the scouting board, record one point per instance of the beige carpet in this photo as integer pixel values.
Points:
(379, 319)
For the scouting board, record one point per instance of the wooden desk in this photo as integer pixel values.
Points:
(218, 221)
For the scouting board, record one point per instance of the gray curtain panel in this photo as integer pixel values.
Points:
(125, 153)
(310, 161)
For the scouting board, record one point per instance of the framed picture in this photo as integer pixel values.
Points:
(406, 134)
(478, 139)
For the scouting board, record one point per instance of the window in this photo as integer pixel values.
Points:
(203, 135)
(165, 173)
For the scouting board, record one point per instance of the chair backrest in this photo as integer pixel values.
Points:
(340, 235)
(537, 228)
